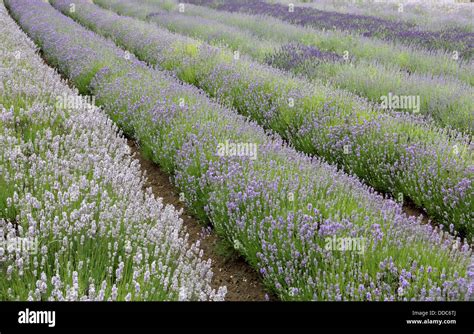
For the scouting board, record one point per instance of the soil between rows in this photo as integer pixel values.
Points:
(243, 283)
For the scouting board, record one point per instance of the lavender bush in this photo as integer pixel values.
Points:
(449, 102)
(201, 28)
(278, 210)
(75, 223)
(393, 152)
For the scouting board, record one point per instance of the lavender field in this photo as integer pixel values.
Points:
(218, 150)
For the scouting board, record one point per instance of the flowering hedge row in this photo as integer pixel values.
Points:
(446, 100)
(281, 209)
(75, 223)
(396, 153)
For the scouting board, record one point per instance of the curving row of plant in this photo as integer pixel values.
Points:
(75, 223)
(279, 208)
(394, 153)
(448, 102)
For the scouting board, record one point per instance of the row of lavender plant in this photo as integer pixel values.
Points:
(395, 153)
(75, 223)
(279, 208)
(391, 53)
(429, 15)
(450, 39)
(449, 102)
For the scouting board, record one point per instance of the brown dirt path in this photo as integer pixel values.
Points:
(243, 283)
(412, 210)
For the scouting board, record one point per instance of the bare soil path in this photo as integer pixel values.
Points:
(243, 283)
